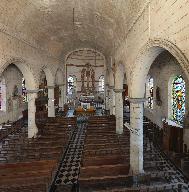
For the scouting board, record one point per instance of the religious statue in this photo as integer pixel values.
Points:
(88, 79)
(158, 97)
(10, 104)
(15, 91)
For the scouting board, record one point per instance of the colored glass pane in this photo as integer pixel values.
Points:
(101, 83)
(149, 92)
(178, 99)
(24, 93)
(71, 87)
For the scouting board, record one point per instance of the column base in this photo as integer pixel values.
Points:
(135, 172)
(50, 115)
(119, 131)
(32, 132)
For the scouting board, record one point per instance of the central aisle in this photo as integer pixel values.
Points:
(69, 169)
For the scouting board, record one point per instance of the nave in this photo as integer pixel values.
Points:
(29, 164)
(94, 95)
(83, 154)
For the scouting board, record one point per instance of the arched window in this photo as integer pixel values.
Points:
(178, 99)
(101, 83)
(2, 95)
(149, 92)
(24, 93)
(71, 87)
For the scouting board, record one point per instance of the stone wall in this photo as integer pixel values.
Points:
(76, 62)
(30, 60)
(164, 68)
(14, 105)
(166, 21)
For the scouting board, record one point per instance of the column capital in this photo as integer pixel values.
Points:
(32, 91)
(137, 100)
(118, 90)
(61, 85)
(111, 87)
(51, 87)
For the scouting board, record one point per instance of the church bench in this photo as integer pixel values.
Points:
(41, 149)
(97, 153)
(104, 170)
(17, 175)
(48, 144)
(52, 136)
(100, 141)
(26, 182)
(19, 149)
(104, 145)
(101, 137)
(105, 160)
(41, 187)
(103, 156)
(104, 133)
(10, 129)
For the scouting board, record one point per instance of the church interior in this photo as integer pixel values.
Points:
(94, 96)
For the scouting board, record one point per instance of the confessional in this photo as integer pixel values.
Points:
(172, 138)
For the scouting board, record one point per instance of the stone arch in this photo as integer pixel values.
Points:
(31, 81)
(26, 70)
(111, 78)
(145, 58)
(50, 85)
(49, 76)
(125, 78)
(59, 77)
(79, 49)
(119, 76)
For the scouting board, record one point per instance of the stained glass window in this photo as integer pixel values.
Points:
(149, 92)
(24, 93)
(101, 83)
(71, 88)
(2, 95)
(178, 99)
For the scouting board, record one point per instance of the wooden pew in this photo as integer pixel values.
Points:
(103, 158)
(28, 164)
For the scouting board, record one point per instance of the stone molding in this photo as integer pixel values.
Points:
(33, 91)
(111, 87)
(137, 100)
(118, 90)
(61, 85)
(51, 87)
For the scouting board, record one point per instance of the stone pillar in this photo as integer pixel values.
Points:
(32, 128)
(119, 110)
(111, 100)
(107, 92)
(113, 103)
(61, 99)
(65, 93)
(108, 100)
(136, 135)
(51, 108)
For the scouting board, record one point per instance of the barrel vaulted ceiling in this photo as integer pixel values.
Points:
(48, 24)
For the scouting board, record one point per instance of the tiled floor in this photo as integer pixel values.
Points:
(70, 167)
(164, 176)
(162, 171)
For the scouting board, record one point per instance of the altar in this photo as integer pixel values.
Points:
(86, 105)
(86, 101)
